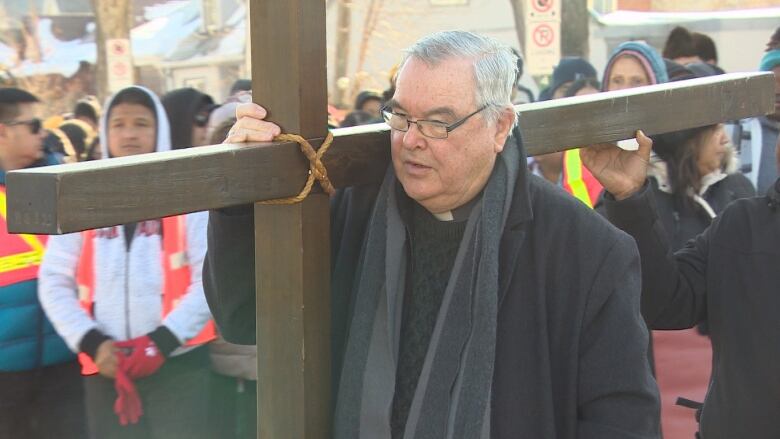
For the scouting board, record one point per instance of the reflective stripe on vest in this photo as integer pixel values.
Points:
(578, 181)
(176, 279)
(20, 254)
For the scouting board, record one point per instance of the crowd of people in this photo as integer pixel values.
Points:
(106, 333)
(481, 293)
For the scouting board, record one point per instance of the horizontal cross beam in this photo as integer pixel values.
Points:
(74, 197)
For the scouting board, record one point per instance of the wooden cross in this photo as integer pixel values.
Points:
(292, 251)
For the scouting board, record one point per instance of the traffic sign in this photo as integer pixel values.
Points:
(543, 35)
(542, 10)
(542, 5)
(543, 47)
(120, 64)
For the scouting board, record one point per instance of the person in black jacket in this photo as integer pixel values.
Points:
(727, 275)
(514, 308)
(188, 110)
(692, 179)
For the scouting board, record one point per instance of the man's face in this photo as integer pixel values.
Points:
(19, 146)
(373, 107)
(132, 129)
(200, 128)
(442, 174)
(776, 115)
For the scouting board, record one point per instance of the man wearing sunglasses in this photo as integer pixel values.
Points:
(40, 385)
(188, 111)
(470, 299)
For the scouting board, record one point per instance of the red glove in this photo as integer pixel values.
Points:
(128, 404)
(144, 359)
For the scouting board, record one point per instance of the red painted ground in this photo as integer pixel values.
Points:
(683, 362)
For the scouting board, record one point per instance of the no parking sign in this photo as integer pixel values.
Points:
(120, 64)
(542, 35)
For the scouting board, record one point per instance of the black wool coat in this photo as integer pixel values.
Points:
(571, 358)
(730, 276)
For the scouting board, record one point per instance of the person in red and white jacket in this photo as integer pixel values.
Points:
(129, 300)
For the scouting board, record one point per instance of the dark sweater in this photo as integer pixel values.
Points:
(434, 245)
(729, 275)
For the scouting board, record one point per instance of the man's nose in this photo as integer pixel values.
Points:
(128, 133)
(413, 138)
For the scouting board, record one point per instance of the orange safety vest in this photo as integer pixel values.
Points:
(176, 279)
(20, 254)
(578, 181)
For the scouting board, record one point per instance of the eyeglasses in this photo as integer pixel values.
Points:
(34, 124)
(428, 128)
(201, 119)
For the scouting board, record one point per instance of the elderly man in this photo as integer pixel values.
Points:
(470, 300)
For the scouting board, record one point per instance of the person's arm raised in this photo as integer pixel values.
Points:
(621, 172)
(673, 285)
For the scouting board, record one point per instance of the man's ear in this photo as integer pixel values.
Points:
(504, 126)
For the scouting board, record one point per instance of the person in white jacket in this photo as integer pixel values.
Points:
(108, 293)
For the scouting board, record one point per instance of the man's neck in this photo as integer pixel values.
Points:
(10, 165)
(460, 213)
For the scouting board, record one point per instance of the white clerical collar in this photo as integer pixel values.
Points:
(459, 213)
(444, 216)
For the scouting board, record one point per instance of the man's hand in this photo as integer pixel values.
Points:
(144, 359)
(622, 173)
(251, 126)
(106, 359)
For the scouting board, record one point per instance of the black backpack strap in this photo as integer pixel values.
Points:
(684, 402)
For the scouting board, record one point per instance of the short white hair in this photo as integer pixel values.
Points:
(495, 65)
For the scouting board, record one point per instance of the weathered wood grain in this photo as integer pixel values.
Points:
(607, 117)
(109, 192)
(292, 260)
(292, 242)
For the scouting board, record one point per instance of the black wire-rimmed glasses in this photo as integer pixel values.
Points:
(428, 128)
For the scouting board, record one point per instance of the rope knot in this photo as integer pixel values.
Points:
(317, 170)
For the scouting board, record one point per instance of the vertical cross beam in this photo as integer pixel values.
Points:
(292, 250)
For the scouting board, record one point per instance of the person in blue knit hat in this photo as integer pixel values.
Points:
(634, 64)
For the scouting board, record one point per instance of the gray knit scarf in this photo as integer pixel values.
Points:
(453, 394)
